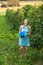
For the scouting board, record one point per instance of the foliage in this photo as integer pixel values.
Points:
(9, 48)
(35, 18)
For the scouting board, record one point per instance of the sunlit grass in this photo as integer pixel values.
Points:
(2, 13)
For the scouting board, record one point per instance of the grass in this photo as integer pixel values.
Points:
(9, 49)
(2, 13)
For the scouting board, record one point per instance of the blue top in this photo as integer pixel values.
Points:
(25, 40)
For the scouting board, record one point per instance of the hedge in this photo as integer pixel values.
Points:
(35, 18)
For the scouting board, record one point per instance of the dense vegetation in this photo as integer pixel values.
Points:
(35, 18)
(9, 25)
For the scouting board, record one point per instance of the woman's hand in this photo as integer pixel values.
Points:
(28, 34)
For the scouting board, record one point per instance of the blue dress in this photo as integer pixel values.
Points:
(24, 41)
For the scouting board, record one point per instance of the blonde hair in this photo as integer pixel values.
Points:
(26, 20)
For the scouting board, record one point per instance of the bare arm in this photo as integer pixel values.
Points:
(20, 28)
(29, 30)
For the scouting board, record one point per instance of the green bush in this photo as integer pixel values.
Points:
(34, 56)
(15, 17)
(8, 42)
(35, 18)
(9, 49)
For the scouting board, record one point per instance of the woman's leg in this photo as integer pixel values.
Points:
(21, 51)
(26, 50)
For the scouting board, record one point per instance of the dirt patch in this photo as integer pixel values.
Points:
(22, 4)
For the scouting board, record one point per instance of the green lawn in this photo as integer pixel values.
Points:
(2, 13)
(9, 49)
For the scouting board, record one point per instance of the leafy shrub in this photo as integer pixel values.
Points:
(35, 18)
(15, 17)
(9, 49)
(34, 56)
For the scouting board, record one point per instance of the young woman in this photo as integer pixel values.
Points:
(24, 42)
